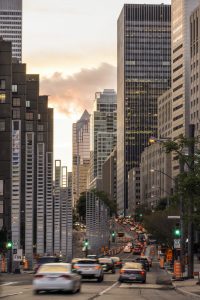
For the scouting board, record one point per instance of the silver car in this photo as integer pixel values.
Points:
(89, 269)
(56, 276)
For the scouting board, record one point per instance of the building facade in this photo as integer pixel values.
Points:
(194, 62)
(103, 135)
(144, 73)
(181, 91)
(81, 155)
(26, 138)
(11, 25)
(109, 176)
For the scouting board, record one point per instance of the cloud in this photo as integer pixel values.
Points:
(75, 93)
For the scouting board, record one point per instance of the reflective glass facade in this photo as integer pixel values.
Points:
(144, 73)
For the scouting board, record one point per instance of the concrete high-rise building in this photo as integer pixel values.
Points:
(11, 25)
(103, 135)
(195, 77)
(81, 155)
(156, 165)
(26, 139)
(181, 90)
(144, 73)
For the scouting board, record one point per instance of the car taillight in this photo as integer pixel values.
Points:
(67, 277)
(98, 267)
(122, 271)
(142, 272)
(39, 276)
(76, 267)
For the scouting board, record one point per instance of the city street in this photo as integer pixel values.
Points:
(18, 287)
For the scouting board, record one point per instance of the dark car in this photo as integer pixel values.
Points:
(132, 272)
(117, 262)
(107, 264)
(137, 250)
(144, 262)
(46, 260)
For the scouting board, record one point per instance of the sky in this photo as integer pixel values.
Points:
(72, 44)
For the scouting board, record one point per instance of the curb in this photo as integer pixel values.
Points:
(183, 292)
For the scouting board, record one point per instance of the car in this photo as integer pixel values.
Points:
(93, 256)
(117, 262)
(56, 276)
(149, 260)
(143, 260)
(46, 259)
(89, 269)
(132, 272)
(127, 249)
(137, 250)
(107, 264)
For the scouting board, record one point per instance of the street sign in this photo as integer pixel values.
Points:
(173, 217)
(18, 256)
(177, 243)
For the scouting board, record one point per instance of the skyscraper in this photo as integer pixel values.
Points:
(181, 89)
(144, 73)
(26, 157)
(103, 135)
(81, 155)
(11, 25)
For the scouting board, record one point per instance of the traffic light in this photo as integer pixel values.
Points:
(113, 234)
(177, 231)
(86, 243)
(9, 245)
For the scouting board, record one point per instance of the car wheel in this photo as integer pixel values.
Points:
(144, 281)
(100, 279)
(113, 271)
(36, 292)
(79, 289)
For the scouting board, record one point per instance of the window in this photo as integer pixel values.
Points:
(29, 116)
(29, 126)
(14, 88)
(16, 114)
(2, 125)
(16, 102)
(28, 104)
(39, 116)
(2, 84)
(2, 98)
(40, 137)
(40, 127)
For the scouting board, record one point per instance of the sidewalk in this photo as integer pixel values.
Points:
(189, 287)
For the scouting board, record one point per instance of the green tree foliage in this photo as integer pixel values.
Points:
(81, 207)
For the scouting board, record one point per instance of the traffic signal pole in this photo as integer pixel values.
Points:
(182, 227)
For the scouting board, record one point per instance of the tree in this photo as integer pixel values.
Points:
(81, 207)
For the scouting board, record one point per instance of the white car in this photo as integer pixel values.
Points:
(89, 268)
(56, 276)
(127, 249)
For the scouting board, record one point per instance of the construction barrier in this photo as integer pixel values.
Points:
(3, 265)
(177, 270)
(26, 265)
(162, 261)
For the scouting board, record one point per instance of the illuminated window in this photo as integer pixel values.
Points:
(14, 88)
(2, 98)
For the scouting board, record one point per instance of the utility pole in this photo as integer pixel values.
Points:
(191, 208)
(182, 227)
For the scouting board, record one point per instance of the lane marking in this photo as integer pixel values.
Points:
(108, 289)
(9, 295)
(9, 283)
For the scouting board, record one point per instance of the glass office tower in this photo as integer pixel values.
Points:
(144, 73)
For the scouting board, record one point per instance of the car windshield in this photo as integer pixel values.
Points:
(87, 262)
(59, 268)
(45, 260)
(105, 260)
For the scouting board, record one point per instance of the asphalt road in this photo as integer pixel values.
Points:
(18, 287)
